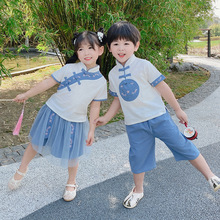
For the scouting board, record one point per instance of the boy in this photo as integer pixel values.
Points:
(137, 87)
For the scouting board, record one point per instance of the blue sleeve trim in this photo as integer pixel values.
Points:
(99, 99)
(158, 80)
(55, 78)
(113, 93)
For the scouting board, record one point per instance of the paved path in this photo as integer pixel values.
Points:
(174, 190)
(14, 154)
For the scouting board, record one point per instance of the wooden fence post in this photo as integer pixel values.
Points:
(209, 43)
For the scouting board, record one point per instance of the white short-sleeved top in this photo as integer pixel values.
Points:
(134, 85)
(78, 88)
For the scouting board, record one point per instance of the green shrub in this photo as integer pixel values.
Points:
(165, 26)
(215, 30)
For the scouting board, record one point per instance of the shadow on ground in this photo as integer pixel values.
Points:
(174, 190)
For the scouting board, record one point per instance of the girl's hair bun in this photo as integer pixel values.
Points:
(101, 36)
(75, 37)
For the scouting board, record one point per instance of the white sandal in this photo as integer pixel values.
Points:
(70, 195)
(214, 183)
(132, 199)
(13, 183)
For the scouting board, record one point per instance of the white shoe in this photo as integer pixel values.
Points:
(214, 183)
(132, 199)
(13, 183)
(70, 195)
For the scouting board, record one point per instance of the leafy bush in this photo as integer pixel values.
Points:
(165, 26)
(215, 30)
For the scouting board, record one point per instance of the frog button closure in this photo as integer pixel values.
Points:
(128, 88)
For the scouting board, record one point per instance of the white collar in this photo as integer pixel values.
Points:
(128, 62)
(92, 70)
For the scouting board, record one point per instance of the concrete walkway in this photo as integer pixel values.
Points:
(174, 190)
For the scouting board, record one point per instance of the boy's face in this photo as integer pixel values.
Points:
(123, 49)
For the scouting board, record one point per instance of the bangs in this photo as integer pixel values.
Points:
(88, 37)
(119, 34)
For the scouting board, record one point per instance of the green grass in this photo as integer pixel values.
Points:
(203, 44)
(180, 83)
(186, 82)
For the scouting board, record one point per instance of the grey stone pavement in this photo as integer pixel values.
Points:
(173, 190)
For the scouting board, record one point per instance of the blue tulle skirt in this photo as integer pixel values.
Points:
(61, 141)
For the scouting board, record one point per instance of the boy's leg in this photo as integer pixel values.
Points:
(201, 165)
(184, 149)
(136, 194)
(141, 158)
(138, 181)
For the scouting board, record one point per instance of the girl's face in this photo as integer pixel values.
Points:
(123, 49)
(88, 55)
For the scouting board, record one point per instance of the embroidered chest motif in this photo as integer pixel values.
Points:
(78, 77)
(128, 88)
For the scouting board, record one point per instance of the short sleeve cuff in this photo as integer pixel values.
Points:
(55, 78)
(158, 80)
(113, 93)
(99, 100)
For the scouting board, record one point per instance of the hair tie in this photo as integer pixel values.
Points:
(101, 36)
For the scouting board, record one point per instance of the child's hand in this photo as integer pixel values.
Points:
(100, 121)
(182, 116)
(20, 98)
(90, 139)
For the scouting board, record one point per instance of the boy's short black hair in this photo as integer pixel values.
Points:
(123, 30)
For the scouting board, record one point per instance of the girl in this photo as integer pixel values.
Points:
(61, 126)
(137, 87)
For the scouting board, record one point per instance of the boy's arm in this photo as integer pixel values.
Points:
(94, 113)
(39, 88)
(168, 95)
(114, 108)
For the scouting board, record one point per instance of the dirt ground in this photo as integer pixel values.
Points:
(10, 111)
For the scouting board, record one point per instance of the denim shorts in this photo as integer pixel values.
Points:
(142, 142)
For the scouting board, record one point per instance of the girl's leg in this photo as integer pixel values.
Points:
(29, 154)
(70, 190)
(72, 177)
(200, 164)
(138, 181)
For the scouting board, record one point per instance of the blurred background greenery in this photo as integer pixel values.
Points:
(166, 26)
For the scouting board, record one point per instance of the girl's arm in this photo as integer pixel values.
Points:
(168, 95)
(39, 88)
(114, 108)
(94, 113)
